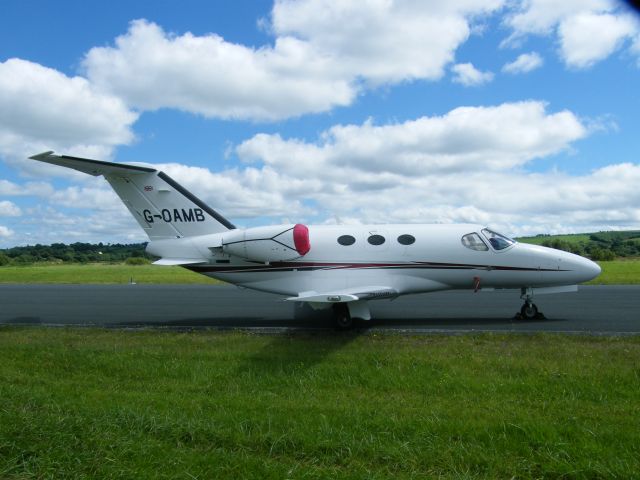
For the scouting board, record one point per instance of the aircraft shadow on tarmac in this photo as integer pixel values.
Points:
(325, 322)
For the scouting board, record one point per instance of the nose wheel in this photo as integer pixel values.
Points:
(529, 310)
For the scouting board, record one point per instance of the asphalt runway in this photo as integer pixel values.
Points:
(593, 309)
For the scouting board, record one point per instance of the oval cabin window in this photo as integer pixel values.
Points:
(376, 240)
(346, 240)
(406, 239)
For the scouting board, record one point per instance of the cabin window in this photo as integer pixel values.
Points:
(497, 241)
(346, 240)
(406, 239)
(376, 239)
(474, 242)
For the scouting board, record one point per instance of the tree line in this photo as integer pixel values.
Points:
(74, 253)
(601, 246)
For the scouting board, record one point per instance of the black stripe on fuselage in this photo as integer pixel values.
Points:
(311, 266)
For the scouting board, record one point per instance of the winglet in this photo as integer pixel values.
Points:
(42, 156)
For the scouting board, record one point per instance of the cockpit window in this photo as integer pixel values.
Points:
(474, 242)
(497, 241)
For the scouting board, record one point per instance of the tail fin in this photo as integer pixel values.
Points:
(162, 207)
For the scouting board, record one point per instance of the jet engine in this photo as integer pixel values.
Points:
(268, 244)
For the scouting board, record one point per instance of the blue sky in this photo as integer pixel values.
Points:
(520, 115)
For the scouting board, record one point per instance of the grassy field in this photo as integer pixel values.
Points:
(618, 272)
(99, 273)
(613, 272)
(87, 403)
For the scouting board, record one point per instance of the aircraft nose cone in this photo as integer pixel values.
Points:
(585, 269)
(593, 269)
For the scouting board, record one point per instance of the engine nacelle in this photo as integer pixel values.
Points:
(268, 244)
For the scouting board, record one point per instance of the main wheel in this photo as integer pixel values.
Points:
(342, 317)
(529, 311)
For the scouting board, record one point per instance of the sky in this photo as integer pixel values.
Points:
(520, 115)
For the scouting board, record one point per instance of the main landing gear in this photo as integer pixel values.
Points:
(529, 310)
(342, 317)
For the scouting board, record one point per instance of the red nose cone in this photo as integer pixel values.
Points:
(301, 239)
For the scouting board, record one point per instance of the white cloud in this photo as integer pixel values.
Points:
(587, 31)
(48, 224)
(12, 189)
(469, 76)
(207, 75)
(5, 232)
(524, 63)
(323, 55)
(587, 38)
(379, 40)
(462, 167)
(41, 109)
(466, 138)
(543, 16)
(9, 209)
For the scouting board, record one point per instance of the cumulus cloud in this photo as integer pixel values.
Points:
(5, 232)
(206, 75)
(50, 224)
(465, 166)
(382, 41)
(41, 108)
(324, 53)
(524, 63)
(543, 16)
(587, 31)
(587, 38)
(11, 189)
(9, 209)
(469, 76)
(466, 138)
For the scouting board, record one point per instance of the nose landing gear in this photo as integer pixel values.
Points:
(529, 310)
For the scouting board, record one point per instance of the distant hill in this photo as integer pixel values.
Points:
(597, 246)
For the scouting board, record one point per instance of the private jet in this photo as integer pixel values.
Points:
(342, 267)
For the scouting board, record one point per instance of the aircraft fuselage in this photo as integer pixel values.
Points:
(436, 259)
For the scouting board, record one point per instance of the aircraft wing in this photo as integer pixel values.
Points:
(179, 261)
(346, 295)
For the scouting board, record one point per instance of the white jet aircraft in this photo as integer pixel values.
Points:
(337, 266)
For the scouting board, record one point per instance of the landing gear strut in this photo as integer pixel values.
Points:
(529, 311)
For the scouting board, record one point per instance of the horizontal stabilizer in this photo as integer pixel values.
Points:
(91, 167)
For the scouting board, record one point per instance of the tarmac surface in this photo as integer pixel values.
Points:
(606, 310)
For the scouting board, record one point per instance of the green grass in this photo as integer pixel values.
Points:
(88, 403)
(100, 273)
(618, 272)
